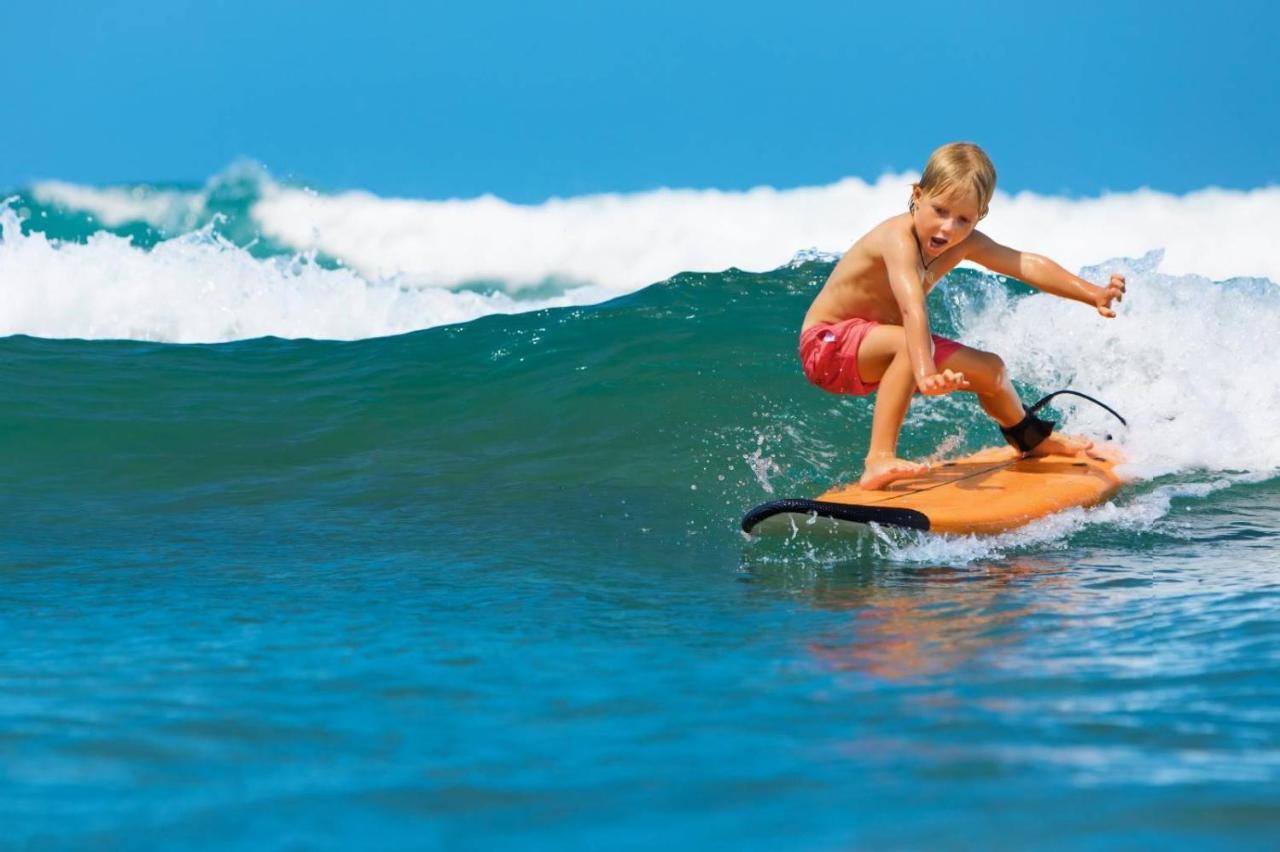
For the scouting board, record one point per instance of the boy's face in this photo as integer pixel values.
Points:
(944, 219)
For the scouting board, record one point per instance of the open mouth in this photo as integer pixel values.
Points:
(936, 243)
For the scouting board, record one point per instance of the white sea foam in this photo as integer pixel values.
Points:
(168, 209)
(1189, 363)
(201, 288)
(623, 242)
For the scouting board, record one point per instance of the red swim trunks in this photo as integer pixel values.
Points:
(829, 353)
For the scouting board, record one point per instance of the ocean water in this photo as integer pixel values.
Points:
(332, 520)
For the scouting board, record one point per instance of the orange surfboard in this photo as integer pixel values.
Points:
(988, 492)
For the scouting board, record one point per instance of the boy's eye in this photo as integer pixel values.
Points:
(941, 211)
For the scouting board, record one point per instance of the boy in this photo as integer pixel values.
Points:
(868, 330)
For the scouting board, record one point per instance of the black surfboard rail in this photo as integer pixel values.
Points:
(905, 518)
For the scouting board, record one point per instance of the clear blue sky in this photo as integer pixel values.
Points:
(531, 99)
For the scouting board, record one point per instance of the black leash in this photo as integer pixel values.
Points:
(1045, 401)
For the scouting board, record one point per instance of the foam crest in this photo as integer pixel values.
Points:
(619, 242)
(201, 288)
(168, 209)
(623, 242)
(172, 210)
(1188, 362)
(1213, 233)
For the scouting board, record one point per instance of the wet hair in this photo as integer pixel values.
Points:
(958, 165)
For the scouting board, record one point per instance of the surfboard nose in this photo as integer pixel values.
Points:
(781, 515)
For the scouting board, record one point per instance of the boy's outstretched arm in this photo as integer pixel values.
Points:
(1043, 274)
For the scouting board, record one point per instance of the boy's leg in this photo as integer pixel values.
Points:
(883, 358)
(990, 381)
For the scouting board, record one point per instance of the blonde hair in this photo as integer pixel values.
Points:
(958, 165)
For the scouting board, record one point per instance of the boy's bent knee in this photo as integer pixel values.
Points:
(997, 366)
(991, 373)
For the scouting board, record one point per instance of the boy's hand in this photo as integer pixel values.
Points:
(940, 383)
(1113, 292)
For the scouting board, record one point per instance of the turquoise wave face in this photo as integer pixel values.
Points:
(690, 390)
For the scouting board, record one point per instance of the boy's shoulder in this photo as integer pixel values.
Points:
(892, 236)
(895, 227)
(899, 224)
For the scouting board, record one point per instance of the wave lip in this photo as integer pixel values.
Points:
(169, 209)
(617, 242)
(623, 242)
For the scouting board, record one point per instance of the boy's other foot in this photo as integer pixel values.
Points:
(879, 472)
(1059, 444)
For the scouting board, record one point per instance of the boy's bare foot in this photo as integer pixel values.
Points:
(1059, 444)
(880, 471)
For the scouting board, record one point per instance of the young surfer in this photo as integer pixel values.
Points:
(868, 331)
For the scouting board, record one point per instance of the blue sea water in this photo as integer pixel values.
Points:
(480, 584)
